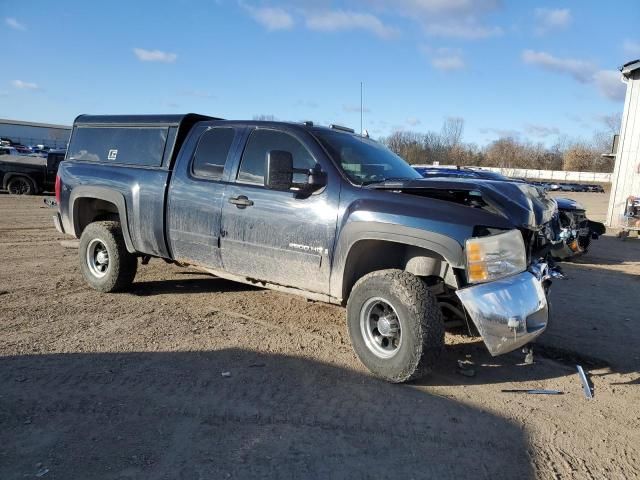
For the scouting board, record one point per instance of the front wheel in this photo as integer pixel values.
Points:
(105, 263)
(395, 325)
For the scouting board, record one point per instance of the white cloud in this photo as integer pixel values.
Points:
(580, 70)
(542, 131)
(413, 121)
(197, 93)
(445, 59)
(448, 64)
(15, 24)
(610, 85)
(548, 19)
(334, 20)
(631, 48)
(500, 132)
(463, 30)
(272, 18)
(25, 85)
(462, 19)
(154, 55)
(606, 81)
(355, 108)
(305, 104)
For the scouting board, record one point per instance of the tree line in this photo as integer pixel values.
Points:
(447, 148)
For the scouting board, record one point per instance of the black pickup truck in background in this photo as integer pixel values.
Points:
(28, 175)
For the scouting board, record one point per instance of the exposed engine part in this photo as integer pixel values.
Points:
(573, 230)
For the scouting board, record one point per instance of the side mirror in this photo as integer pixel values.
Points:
(279, 168)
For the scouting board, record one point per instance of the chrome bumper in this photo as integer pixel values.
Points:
(57, 221)
(510, 312)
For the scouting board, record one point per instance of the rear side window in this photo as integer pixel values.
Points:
(121, 145)
(260, 143)
(212, 152)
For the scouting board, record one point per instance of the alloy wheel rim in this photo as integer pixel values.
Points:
(380, 327)
(97, 258)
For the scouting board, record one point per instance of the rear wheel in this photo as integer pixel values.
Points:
(21, 186)
(105, 263)
(395, 325)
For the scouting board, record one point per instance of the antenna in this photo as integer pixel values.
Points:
(361, 107)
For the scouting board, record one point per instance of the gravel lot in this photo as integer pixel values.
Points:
(130, 385)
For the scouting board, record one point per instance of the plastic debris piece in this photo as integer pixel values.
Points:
(533, 391)
(588, 392)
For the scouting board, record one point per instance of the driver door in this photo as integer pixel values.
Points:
(274, 236)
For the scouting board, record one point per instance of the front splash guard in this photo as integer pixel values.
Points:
(509, 312)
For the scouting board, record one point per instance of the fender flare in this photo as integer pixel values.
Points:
(108, 195)
(447, 247)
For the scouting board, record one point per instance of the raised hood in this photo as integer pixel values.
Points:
(524, 205)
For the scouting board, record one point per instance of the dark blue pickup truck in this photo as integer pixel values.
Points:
(314, 211)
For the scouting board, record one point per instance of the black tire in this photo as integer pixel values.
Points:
(20, 185)
(121, 266)
(420, 321)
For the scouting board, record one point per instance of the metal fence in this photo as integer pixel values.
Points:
(557, 175)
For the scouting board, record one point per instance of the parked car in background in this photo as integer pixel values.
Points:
(595, 188)
(28, 175)
(8, 150)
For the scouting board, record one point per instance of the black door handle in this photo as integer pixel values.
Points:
(241, 201)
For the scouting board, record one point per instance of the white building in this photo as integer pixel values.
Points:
(625, 180)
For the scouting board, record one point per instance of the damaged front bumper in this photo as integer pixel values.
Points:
(512, 311)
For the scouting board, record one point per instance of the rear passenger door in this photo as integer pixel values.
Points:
(196, 193)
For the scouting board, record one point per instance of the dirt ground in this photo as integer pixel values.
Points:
(130, 385)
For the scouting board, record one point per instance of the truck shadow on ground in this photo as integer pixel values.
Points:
(201, 284)
(483, 369)
(173, 415)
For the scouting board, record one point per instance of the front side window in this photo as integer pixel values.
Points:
(252, 167)
(212, 152)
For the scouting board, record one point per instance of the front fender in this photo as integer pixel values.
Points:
(355, 231)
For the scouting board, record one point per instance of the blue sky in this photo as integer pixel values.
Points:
(537, 70)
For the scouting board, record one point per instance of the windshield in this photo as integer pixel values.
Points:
(363, 160)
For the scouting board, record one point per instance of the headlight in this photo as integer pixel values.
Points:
(495, 256)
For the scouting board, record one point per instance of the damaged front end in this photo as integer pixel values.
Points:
(573, 230)
(511, 312)
(508, 271)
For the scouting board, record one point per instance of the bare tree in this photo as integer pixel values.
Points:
(612, 122)
(265, 117)
(447, 148)
(452, 130)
